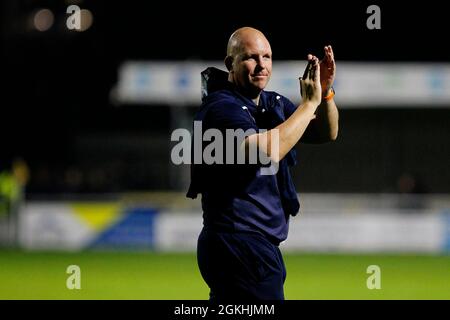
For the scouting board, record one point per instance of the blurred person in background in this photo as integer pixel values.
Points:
(245, 213)
(14, 177)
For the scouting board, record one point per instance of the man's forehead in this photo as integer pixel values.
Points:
(254, 44)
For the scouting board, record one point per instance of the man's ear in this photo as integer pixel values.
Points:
(229, 63)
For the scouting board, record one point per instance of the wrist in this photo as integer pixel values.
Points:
(310, 106)
(328, 95)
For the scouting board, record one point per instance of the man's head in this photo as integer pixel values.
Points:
(249, 60)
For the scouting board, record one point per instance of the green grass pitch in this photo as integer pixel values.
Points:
(115, 275)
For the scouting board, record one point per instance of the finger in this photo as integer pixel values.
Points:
(315, 65)
(305, 74)
(331, 52)
(316, 74)
(328, 55)
(308, 67)
(327, 51)
(302, 86)
(329, 59)
(333, 63)
(313, 69)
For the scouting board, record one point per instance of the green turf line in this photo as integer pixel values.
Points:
(113, 275)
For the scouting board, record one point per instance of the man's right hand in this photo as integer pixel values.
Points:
(310, 87)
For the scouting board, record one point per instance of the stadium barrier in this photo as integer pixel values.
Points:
(354, 225)
(357, 84)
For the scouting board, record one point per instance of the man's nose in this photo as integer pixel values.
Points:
(261, 62)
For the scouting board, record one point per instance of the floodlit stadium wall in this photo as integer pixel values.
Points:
(75, 226)
(357, 84)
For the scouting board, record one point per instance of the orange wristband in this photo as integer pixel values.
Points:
(330, 95)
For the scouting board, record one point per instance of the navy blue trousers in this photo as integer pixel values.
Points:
(240, 266)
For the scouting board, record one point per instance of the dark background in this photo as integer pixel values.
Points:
(56, 111)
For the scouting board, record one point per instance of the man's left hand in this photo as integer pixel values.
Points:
(327, 71)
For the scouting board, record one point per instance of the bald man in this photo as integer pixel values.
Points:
(246, 213)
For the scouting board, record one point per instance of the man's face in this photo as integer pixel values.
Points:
(252, 66)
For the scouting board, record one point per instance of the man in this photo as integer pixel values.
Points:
(246, 213)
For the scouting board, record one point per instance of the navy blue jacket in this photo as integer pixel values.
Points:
(237, 197)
